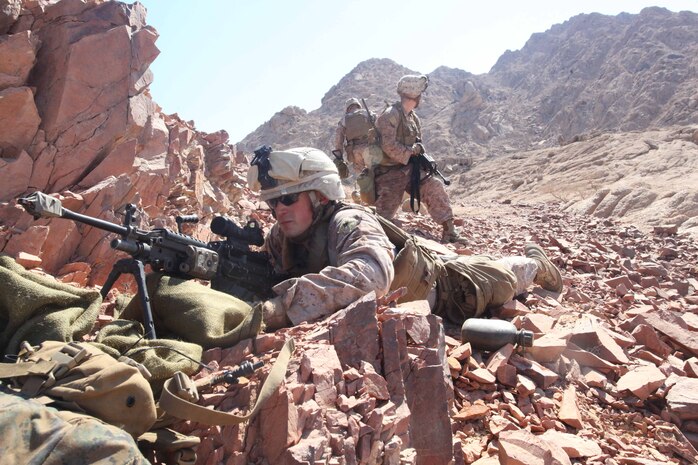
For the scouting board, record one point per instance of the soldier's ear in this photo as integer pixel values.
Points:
(321, 198)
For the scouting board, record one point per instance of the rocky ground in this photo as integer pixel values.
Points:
(611, 377)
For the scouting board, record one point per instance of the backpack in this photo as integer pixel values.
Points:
(81, 377)
(358, 127)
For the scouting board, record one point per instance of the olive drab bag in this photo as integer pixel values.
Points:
(81, 377)
(358, 127)
(416, 268)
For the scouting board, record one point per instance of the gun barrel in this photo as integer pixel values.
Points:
(96, 222)
(132, 248)
(445, 180)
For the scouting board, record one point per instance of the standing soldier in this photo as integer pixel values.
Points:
(401, 134)
(354, 134)
(357, 136)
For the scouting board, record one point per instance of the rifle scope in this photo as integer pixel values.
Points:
(251, 233)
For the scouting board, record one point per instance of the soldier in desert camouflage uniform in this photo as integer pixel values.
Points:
(400, 130)
(335, 252)
(355, 135)
(34, 433)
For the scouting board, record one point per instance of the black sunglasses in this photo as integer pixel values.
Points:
(288, 200)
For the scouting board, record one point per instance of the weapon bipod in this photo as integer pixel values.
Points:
(137, 269)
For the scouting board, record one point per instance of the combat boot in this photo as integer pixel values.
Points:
(548, 276)
(450, 234)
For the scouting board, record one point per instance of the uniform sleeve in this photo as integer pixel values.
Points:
(361, 261)
(387, 125)
(339, 135)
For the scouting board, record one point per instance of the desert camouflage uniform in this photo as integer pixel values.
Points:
(343, 257)
(34, 433)
(399, 132)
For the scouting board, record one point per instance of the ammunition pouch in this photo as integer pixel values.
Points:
(367, 186)
(416, 268)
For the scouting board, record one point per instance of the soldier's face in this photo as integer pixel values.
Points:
(296, 218)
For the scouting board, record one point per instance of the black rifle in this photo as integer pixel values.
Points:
(230, 265)
(422, 162)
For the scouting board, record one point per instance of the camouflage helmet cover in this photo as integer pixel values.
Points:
(298, 170)
(412, 85)
(350, 102)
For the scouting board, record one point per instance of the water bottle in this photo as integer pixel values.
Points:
(489, 335)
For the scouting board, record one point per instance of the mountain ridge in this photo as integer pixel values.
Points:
(592, 74)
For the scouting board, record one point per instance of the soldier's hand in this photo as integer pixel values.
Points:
(417, 148)
(274, 314)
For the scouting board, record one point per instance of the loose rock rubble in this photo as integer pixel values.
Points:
(610, 379)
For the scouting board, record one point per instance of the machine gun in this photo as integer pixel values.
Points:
(230, 265)
(422, 162)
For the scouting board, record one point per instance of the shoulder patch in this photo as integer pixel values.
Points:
(348, 224)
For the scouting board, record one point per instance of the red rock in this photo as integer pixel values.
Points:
(646, 335)
(354, 332)
(323, 363)
(372, 383)
(537, 372)
(691, 367)
(642, 381)
(499, 358)
(547, 348)
(525, 386)
(594, 378)
(506, 375)
(481, 375)
(27, 260)
(538, 323)
(574, 445)
(524, 448)
(462, 352)
(673, 327)
(498, 424)
(17, 110)
(682, 398)
(569, 412)
(624, 281)
(472, 412)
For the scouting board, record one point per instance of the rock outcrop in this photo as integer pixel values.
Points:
(74, 80)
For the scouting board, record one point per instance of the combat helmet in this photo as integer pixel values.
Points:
(412, 85)
(281, 172)
(350, 102)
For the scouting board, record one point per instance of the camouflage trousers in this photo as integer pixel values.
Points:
(393, 181)
(363, 156)
(34, 433)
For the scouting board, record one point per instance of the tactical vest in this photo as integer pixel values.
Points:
(357, 127)
(415, 267)
(407, 130)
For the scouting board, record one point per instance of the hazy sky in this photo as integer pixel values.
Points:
(232, 64)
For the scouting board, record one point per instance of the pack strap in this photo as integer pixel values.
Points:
(38, 368)
(179, 407)
(43, 374)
